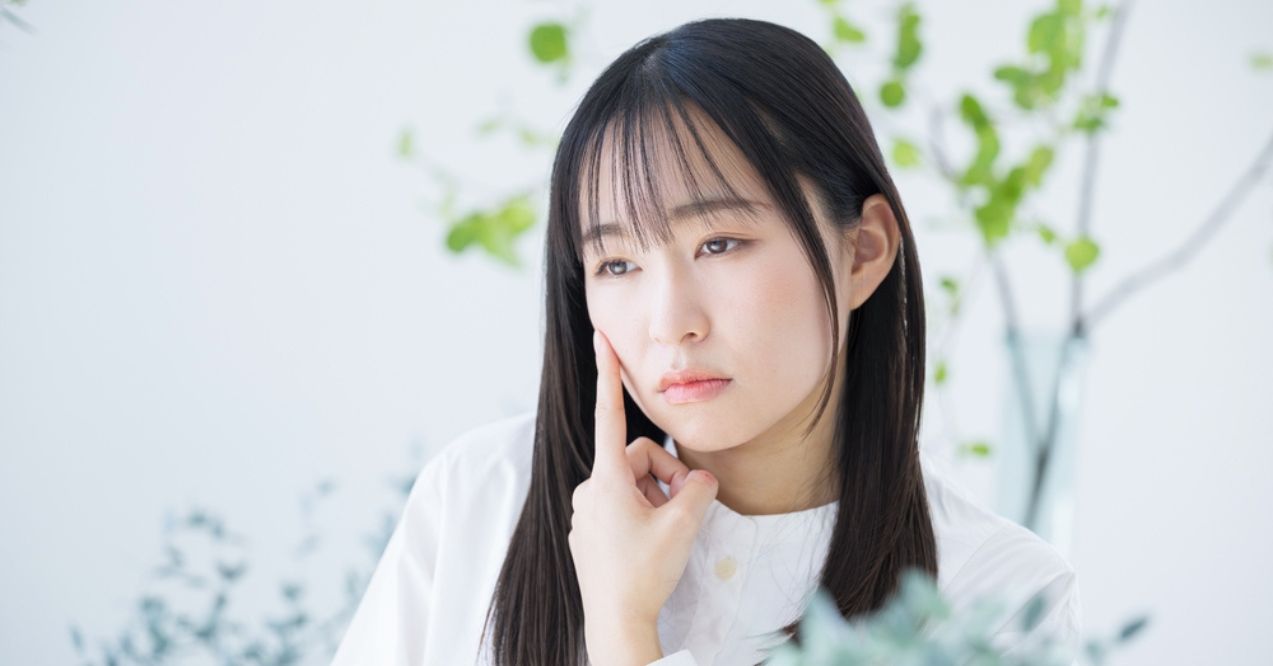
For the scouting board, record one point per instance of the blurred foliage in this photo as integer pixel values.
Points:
(188, 613)
(918, 626)
(845, 32)
(909, 47)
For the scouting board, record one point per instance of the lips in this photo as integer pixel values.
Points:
(699, 391)
(688, 376)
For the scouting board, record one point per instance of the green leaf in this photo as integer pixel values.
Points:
(1037, 165)
(892, 93)
(1046, 233)
(971, 111)
(464, 232)
(939, 375)
(531, 138)
(494, 231)
(980, 171)
(951, 286)
(1044, 32)
(994, 219)
(909, 46)
(1093, 111)
(548, 42)
(489, 125)
(1081, 253)
(1012, 75)
(979, 448)
(847, 32)
(1088, 124)
(1103, 12)
(1026, 89)
(405, 147)
(996, 215)
(1262, 61)
(905, 153)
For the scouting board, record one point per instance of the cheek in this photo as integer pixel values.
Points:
(620, 328)
(780, 313)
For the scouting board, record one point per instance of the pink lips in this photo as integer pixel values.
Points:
(695, 391)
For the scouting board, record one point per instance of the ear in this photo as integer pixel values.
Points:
(875, 242)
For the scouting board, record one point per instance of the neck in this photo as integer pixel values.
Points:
(780, 470)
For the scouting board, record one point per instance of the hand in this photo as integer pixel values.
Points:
(629, 541)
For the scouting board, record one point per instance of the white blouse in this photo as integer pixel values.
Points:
(747, 576)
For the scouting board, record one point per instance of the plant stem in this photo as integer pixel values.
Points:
(1193, 244)
(1077, 330)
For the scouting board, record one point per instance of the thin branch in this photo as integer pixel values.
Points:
(1192, 245)
(936, 142)
(1012, 335)
(966, 291)
(17, 21)
(1091, 156)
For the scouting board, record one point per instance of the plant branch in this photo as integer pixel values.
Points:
(1091, 154)
(1193, 244)
(16, 20)
(1012, 336)
(1078, 325)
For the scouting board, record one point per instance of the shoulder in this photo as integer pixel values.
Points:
(482, 473)
(501, 446)
(984, 555)
(972, 538)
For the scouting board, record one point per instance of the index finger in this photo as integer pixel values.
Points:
(611, 424)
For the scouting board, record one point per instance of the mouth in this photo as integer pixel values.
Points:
(698, 391)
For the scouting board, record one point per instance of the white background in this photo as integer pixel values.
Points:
(218, 286)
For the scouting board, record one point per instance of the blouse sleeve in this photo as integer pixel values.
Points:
(388, 628)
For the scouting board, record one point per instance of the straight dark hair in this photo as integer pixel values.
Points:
(782, 101)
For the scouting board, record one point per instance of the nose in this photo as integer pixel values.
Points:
(677, 314)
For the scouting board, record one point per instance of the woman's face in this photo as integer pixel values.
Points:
(739, 300)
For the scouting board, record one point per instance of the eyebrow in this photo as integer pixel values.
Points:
(696, 208)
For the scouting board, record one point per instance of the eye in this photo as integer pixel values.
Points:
(721, 240)
(602, 269)
(602, 272)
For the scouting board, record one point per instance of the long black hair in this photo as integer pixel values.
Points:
(782, 101)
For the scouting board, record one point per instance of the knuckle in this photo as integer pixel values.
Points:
(642, 444)
(681, 519)
(636, 450)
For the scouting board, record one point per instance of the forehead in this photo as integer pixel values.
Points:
(648, 174)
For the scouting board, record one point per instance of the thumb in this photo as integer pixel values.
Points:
(695, 494)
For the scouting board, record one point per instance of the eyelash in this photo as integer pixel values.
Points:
(601, 269)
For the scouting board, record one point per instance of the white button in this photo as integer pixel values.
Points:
(726, 567)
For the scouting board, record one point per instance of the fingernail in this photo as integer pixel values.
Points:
(704, 475)
(596, 340)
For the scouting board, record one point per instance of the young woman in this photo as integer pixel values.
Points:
(732, 383)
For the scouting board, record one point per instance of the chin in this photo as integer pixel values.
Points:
(703, 431)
